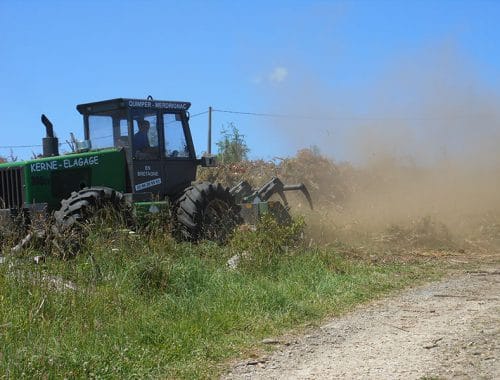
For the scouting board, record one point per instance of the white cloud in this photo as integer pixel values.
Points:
(278, 75)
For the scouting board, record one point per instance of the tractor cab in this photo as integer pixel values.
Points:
(154, 136)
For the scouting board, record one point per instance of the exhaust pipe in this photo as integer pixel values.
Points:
(50, 143)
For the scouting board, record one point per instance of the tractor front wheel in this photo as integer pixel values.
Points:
(206, 211)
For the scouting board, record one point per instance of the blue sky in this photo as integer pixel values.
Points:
(341, 60)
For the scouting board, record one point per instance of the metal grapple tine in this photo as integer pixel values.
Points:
(283, 198)
(300, 187)
(275, 185)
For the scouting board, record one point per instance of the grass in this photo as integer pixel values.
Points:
(148, 307)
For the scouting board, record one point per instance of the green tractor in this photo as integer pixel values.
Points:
(138, 155)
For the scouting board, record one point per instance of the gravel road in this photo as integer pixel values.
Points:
(448, 329)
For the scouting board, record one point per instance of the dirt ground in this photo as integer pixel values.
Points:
(448, 329)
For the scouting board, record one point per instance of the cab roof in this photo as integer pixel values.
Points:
(124, 103)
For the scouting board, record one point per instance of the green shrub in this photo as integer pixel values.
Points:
(232, 147)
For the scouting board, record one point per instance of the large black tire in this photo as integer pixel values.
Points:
(69, 227)
(206, 211)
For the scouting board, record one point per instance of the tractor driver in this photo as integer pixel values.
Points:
(141, 145)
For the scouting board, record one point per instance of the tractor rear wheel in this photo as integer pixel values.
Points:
(206, 211)
(82, 206)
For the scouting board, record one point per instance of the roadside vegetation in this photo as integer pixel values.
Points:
(138, 304)
(141, 305)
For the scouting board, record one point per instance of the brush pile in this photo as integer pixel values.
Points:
(329, 183)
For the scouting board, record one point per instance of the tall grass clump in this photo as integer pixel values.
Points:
(262, 249)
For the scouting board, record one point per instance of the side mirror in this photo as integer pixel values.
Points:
(208, 161)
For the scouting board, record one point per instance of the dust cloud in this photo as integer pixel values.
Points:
(423, 141)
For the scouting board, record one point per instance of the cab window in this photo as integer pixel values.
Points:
(175, 140)
(145, 139)
(101, 131)
(108, 130)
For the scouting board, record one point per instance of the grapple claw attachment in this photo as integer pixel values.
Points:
(253, 201)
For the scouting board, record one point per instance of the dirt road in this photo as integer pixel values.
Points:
(449, 329)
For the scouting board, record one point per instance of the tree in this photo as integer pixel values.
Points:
(232, 147)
